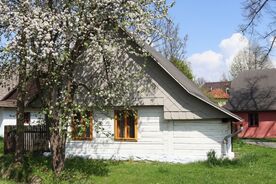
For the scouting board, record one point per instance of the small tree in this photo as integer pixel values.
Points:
(250, 58)
(171, 45)
(183, 67)
(200, 81)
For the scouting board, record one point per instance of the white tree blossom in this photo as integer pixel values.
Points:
(78, 51)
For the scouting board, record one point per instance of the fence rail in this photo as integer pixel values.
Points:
(35, 138)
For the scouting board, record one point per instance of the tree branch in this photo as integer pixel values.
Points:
(255, 13)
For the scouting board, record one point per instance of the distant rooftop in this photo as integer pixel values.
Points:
(219, 94)
(217, 85)
(253, 90)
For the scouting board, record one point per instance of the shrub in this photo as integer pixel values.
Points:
(212, 159)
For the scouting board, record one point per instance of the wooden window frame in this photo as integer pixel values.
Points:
(251, 116)
(116, 131)
(83, 137)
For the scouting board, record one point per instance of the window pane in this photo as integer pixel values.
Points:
(253, 119)
(131, 124)
(256, 119)
(88, 125)
(250, 119)
(121, 124)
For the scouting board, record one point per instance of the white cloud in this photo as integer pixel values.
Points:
(211, 65)
(231, 46)
(206, 61)
(273, 60)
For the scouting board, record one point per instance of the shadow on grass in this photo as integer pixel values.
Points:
(79, 170)
(75, 164)
(87, 166)
(15, 171)
(39, 167)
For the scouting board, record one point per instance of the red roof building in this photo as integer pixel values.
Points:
(253, 98)
(219, 94)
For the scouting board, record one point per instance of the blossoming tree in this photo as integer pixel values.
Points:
(74, 50)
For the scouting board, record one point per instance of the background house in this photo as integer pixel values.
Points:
(32, 114)
(253, 98)
(217, 91)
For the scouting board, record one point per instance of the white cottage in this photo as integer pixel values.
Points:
(177, 123)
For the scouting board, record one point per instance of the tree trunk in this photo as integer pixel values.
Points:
(19, 151)
(20, 108)
(57, 141)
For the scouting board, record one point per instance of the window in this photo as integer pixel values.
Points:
(82, 126)
(253, 119)
(27, 118)
(227, 90)
(125, 125)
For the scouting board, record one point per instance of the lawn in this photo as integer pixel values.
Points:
(1, 146)
(254, 165)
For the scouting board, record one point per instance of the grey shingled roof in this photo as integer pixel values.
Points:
(187, 84)
(253, 91)
(7, 85)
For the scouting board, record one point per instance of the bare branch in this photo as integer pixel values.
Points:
(254, 12)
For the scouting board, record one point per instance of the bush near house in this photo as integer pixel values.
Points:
(253, 165)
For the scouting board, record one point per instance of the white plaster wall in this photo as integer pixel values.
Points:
(8, 117)
(36, 117)
(1, 120)
(158, 139)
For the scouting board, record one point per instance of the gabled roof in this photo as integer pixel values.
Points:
(253, 90)
(181, 79)
(9, 100)
(7, 85)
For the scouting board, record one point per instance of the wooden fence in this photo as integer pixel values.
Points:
(36, 139)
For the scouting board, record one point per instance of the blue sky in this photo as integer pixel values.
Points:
(213, 30)
(207, 22)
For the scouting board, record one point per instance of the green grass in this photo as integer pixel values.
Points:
(254, 165)
(1, 146)
(1, 153)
